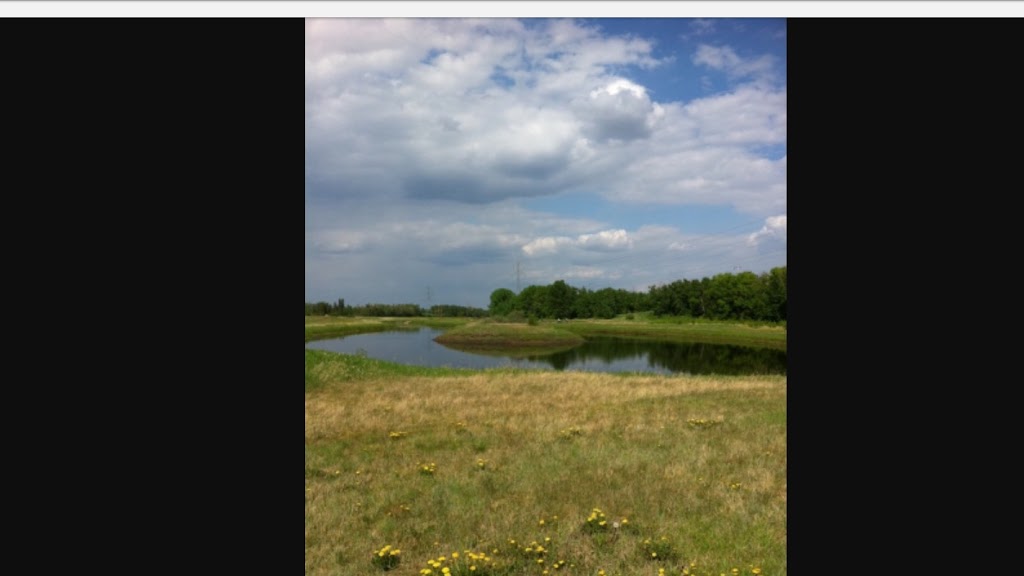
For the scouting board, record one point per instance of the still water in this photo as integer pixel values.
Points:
(595, 355)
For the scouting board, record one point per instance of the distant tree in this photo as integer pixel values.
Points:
(605, 303)
(583, 306)
(532, 301)
(560, 297)
(385, 310)
(502, 302)
(450, 310)
(339, 308)
(321, 308)
(775, 294)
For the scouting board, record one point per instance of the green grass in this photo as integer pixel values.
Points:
(493, 336)
(320, 327)
(697, 466)
(682, 330)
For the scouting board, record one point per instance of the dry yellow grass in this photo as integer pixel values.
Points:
(520, 402)
(700, 460)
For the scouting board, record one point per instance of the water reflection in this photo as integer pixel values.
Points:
(675, 357)
(596, 355)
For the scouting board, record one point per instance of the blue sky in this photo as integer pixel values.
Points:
(621, 152)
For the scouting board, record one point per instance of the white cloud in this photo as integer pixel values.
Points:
(619, 110)
(341, 241)
(482, 110)
(699, 27)
(473, 111)
(748, 116)
(724, 58)
(546, 245)
(774, 229)
(708, 175)
(603, 241)
(424, 136)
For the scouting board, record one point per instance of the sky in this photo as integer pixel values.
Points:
(448, 157)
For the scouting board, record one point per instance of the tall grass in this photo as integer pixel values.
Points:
(434, 461)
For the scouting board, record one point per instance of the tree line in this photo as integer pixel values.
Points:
(437, 310)
(728, 296)
(742, 296)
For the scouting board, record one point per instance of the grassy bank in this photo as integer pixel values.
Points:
(319, 327)
(688, 473)
(491, 335)
(682, 330)
(487, 334)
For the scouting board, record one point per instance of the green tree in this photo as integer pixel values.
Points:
(533, 301)
(502, 302)
(560, 299)
(775, 294)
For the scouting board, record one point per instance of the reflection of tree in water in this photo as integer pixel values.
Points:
(674, 356)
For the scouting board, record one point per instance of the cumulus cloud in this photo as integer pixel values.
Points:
(619, 110)
(473, 111)
(774, 229)
(425, 139)
(712, 175)
(478, 111)
(603, 241)
(546, 245)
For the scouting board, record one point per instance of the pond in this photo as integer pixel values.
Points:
(595, 355)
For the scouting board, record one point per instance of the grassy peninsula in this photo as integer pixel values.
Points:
(494, 335)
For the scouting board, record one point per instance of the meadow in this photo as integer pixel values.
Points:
(412, 470)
